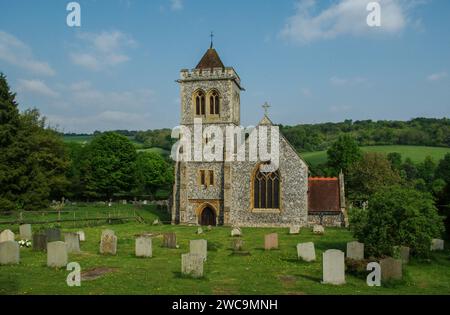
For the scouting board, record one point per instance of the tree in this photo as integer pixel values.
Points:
(409, 170)
(396, 160)
(399, 216)
(443, 169)
(33, 160)
(426, 171)
(343, 154)
(108, 166)
(370, 174)
(153, 173)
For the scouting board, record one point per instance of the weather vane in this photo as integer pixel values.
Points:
(266, 107)
(212, 36)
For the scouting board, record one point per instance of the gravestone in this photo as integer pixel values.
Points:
(402, 252)
(143, 246)
(355, 250)
(199, 230)
(318, 229)
(437, 244)
(9, 253)
(294, 229)
(192, 265)
(170, 240)
(108, 243)
(82, 236)
(7, 235)
(53, 235)
(25, 232)
(39, 241)
(391, 269)
(57, 254)
(271, 241)
(72, 241)
(236, 231)
(237, 244)
(199, 247)
(306, 251)
(333, 267)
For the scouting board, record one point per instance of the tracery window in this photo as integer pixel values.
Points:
(266, 190)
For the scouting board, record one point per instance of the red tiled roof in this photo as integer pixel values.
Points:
(323, 194)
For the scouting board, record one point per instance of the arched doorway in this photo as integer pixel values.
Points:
(208, 217)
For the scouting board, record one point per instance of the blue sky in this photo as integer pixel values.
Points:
(313, 61)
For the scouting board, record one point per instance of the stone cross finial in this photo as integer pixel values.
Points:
(212, 36)
(266, 107)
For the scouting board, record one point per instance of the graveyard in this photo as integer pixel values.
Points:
(260, 270)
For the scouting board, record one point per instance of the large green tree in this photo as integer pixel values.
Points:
(153, 173)
(108, 166)
(343, 154)
(33, 160)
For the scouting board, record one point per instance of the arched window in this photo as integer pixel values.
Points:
(266, 190)
(200, 106)
(214, 103)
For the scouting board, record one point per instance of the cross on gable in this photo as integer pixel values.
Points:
(266, 107)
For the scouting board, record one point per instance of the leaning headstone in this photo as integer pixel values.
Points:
(9, 253)
(143, 246)
(318, 229)
(236, 231)
(7, 235)
(199, 247)
(82, 236)
(53, 235)
(271, 241)
(72, 241)
(437, 244)
(192, 265)
(391, 269)
(108, 243)
(170, 240)
(25, 232)
(355, 250)
(294, 229)
(57, 254)
(334, 267)
(401, 252)
(39, 241)
(306, 251)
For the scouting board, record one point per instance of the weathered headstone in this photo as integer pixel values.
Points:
(306, 251)
(271, 241)
(57, 254)
(9, 253)
(437, 244)
(124, 202)
(53, 235)
(355, 250)
(40, 241)
(237, 244)
(199, 230)
(72, 241)
(294, 229)
(25, 232)
(391, 269)
(401, 252)
(192, 265)
(209, 227)
(333, 267)
(318, 229)
(236, 231)
(82, 236)
(170, 240)
(143, 246)
(199, 247)
(108, 243)
(7, 235)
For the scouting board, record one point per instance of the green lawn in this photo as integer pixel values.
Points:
(273, 272)
(416, 153)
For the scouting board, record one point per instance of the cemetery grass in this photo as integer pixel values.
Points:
(263, 272)
(416, 153)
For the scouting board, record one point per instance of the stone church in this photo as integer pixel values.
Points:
(238, 193)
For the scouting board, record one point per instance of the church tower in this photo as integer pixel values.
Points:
(210, 92)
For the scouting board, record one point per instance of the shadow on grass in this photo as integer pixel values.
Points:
(311, 278)
(179, 275)
(8, 285)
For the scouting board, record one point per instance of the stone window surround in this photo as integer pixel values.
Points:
(207, 173)
(265, 210)
(207, 96)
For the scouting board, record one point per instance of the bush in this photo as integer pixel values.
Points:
(398, 216)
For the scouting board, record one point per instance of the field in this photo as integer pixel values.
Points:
(263, 272)
(416, 153)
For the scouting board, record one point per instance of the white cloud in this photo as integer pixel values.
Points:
(17, 53)
(344, 17)
(339, 81)
(437, 76)
(36, 87)
(102, 50)
(176, 5)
